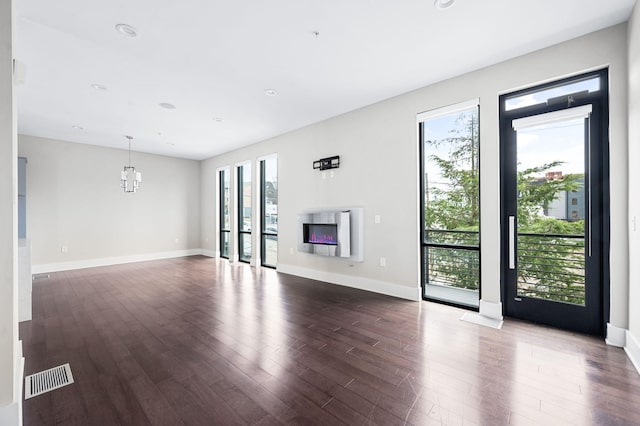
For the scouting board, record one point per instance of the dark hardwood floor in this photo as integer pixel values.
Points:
(199, 341)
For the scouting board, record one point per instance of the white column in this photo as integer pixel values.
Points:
(10, 376)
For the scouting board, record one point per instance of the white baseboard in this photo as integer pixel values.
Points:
(491, 309)
(376, 286)
(106, 261)
(632, 348)
(208, 253)
(20, 381)
(616, 336)
(482, 320)
(11, 414)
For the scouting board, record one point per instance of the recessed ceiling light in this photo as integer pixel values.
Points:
(98, 86)
(127, 30)
(443, 4)
(77, 127)
(270, 92)
(217, 119)
(171, 144)
(166, 105)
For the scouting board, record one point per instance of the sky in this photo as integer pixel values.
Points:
(562, 141)
(559, 141)
(439, 128)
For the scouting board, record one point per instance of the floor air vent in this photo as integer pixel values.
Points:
(36, 277)
(48, 380)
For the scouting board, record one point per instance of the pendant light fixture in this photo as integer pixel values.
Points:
(129, 178)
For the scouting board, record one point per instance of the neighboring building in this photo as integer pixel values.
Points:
(568, 205)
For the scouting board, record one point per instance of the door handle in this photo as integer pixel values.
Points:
(588, 189)
(512, 242)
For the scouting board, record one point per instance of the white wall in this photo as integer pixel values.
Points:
(379, 171)
(9, 347)
(633, 336)
(74, 200)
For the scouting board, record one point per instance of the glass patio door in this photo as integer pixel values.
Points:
(553, 200)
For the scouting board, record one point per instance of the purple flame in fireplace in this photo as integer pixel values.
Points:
(321, 233)
(322, 239)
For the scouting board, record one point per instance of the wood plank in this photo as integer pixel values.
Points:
(196, 340)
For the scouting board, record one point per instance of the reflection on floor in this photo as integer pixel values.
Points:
(201, 341)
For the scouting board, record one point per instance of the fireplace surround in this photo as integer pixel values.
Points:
(332, 232)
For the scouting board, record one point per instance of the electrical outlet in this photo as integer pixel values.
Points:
(376, 219)
(290, 250)
(383, 262)
(177, 240)
(64, 249)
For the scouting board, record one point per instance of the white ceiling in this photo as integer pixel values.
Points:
(215, 58)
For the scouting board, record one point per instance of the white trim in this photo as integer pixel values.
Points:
(616, 336)
(267, 157)
(376, 286)
(449, 109)
(208, 253)
(243, 163)
(234, 258)
(632, 349)
(476, 318)
(255, 261)
(11, 414)
(551, 117)
(107, 261)
(20, 384)
(491, 309)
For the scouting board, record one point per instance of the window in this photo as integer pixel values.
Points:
(449, 144)
(225, 214)
(555, 93)
(244, 212)
(269, 211)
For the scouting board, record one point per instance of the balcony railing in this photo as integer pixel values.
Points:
(452, 258)
(550, 266)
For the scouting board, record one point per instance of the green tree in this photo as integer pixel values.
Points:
(452, 205)
(546, 257)
(549, 249)
(460, 170)
(535, 193)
